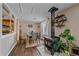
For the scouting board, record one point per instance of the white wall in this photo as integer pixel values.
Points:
(49, 27)
(72, 23)
(7, 42)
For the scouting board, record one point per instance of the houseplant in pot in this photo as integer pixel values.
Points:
(61, 47)
(69, 39)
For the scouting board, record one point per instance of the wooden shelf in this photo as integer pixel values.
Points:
(60, 25)
(60, 20)
(59, 16)
(7, 25)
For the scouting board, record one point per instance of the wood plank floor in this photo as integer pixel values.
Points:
(20, 50)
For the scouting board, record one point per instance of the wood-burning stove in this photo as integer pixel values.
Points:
(49, 41)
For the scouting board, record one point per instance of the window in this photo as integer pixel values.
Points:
(44, 28)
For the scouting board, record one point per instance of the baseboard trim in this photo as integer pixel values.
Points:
(11, 48)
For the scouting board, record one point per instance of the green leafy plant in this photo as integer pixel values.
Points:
(61, 46)
(65, 47)
(67, 35)
(69, 39)
(58, 45)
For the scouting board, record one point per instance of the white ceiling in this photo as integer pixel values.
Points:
(35, 11)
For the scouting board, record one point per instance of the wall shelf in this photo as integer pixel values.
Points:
(60, 20)
(59, 16)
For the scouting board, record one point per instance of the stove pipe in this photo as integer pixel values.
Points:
(52, 11)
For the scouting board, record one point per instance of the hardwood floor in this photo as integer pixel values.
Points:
(20, 50)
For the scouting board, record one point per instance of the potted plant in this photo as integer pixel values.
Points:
(69, 39)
